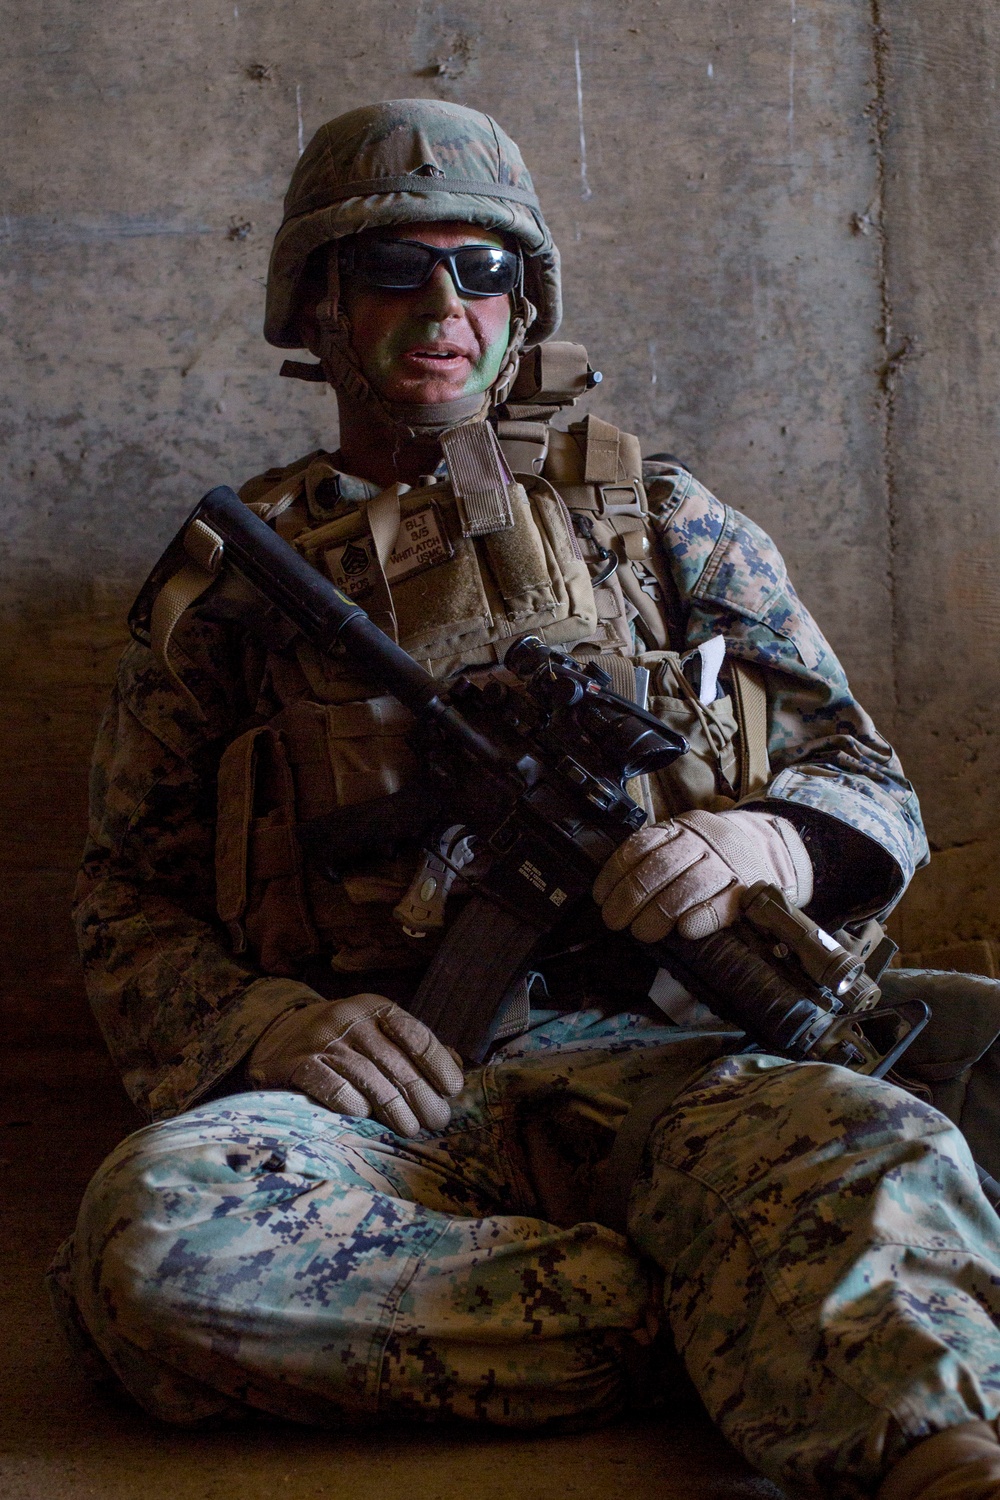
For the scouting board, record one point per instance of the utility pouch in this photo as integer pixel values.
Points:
(345, 753)
(310, 760)
(598, 472)
(708, 775)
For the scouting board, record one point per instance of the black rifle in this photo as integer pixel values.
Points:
(533, 764)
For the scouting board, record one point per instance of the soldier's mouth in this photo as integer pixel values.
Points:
(436, 356)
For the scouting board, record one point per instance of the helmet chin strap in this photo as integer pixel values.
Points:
(342, 369)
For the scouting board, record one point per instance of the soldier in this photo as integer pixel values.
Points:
(327, 1221)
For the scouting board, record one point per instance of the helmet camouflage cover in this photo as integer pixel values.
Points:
(409, 161)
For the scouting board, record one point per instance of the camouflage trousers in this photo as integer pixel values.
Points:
(814, 1245)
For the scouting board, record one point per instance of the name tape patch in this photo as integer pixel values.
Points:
(422, 543)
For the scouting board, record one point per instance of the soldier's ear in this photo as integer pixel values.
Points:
(314, 286)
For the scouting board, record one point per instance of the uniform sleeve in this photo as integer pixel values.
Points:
(832, 773)
(177, 1010)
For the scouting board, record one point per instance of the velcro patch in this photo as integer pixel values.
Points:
(352, 567)
(422, 543)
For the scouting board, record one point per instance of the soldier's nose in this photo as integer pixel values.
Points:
(440, 296)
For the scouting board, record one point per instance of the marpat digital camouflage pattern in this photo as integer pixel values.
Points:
(824, 747)
(814, 1242)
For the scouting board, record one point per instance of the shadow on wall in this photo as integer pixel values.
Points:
(57, 662)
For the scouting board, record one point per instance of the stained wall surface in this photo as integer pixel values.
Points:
(779, 225)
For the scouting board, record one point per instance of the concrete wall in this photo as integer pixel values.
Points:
(779, 225)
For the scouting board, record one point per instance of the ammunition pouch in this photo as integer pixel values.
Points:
(310, 760)
(708, 775)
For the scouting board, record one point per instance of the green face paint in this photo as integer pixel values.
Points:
(407, 356)
(430, 344)
(486, 370)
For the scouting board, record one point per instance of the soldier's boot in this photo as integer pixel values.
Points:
(960, 1463)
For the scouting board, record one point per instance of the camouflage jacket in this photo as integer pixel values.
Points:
(179, 1011)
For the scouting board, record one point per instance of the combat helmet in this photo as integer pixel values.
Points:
(398, 162)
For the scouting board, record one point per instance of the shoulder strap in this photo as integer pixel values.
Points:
(525, 445)
(610, 456)
(267, 487)
(600, 461)
(383, 524)
(178, 594)
(750, 706)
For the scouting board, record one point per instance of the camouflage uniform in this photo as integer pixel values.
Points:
(146, 902)
(813, 1244)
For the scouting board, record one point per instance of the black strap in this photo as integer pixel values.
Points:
(622, 1166)
(990, 1187)
(363, 828)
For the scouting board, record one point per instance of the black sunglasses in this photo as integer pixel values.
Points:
(404, 265)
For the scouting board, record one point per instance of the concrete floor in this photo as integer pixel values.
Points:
(59, 1114)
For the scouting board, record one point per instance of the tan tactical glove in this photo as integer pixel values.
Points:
(361, 1056)
(691, 873)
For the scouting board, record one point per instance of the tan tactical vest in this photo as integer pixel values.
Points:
(581, 566)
